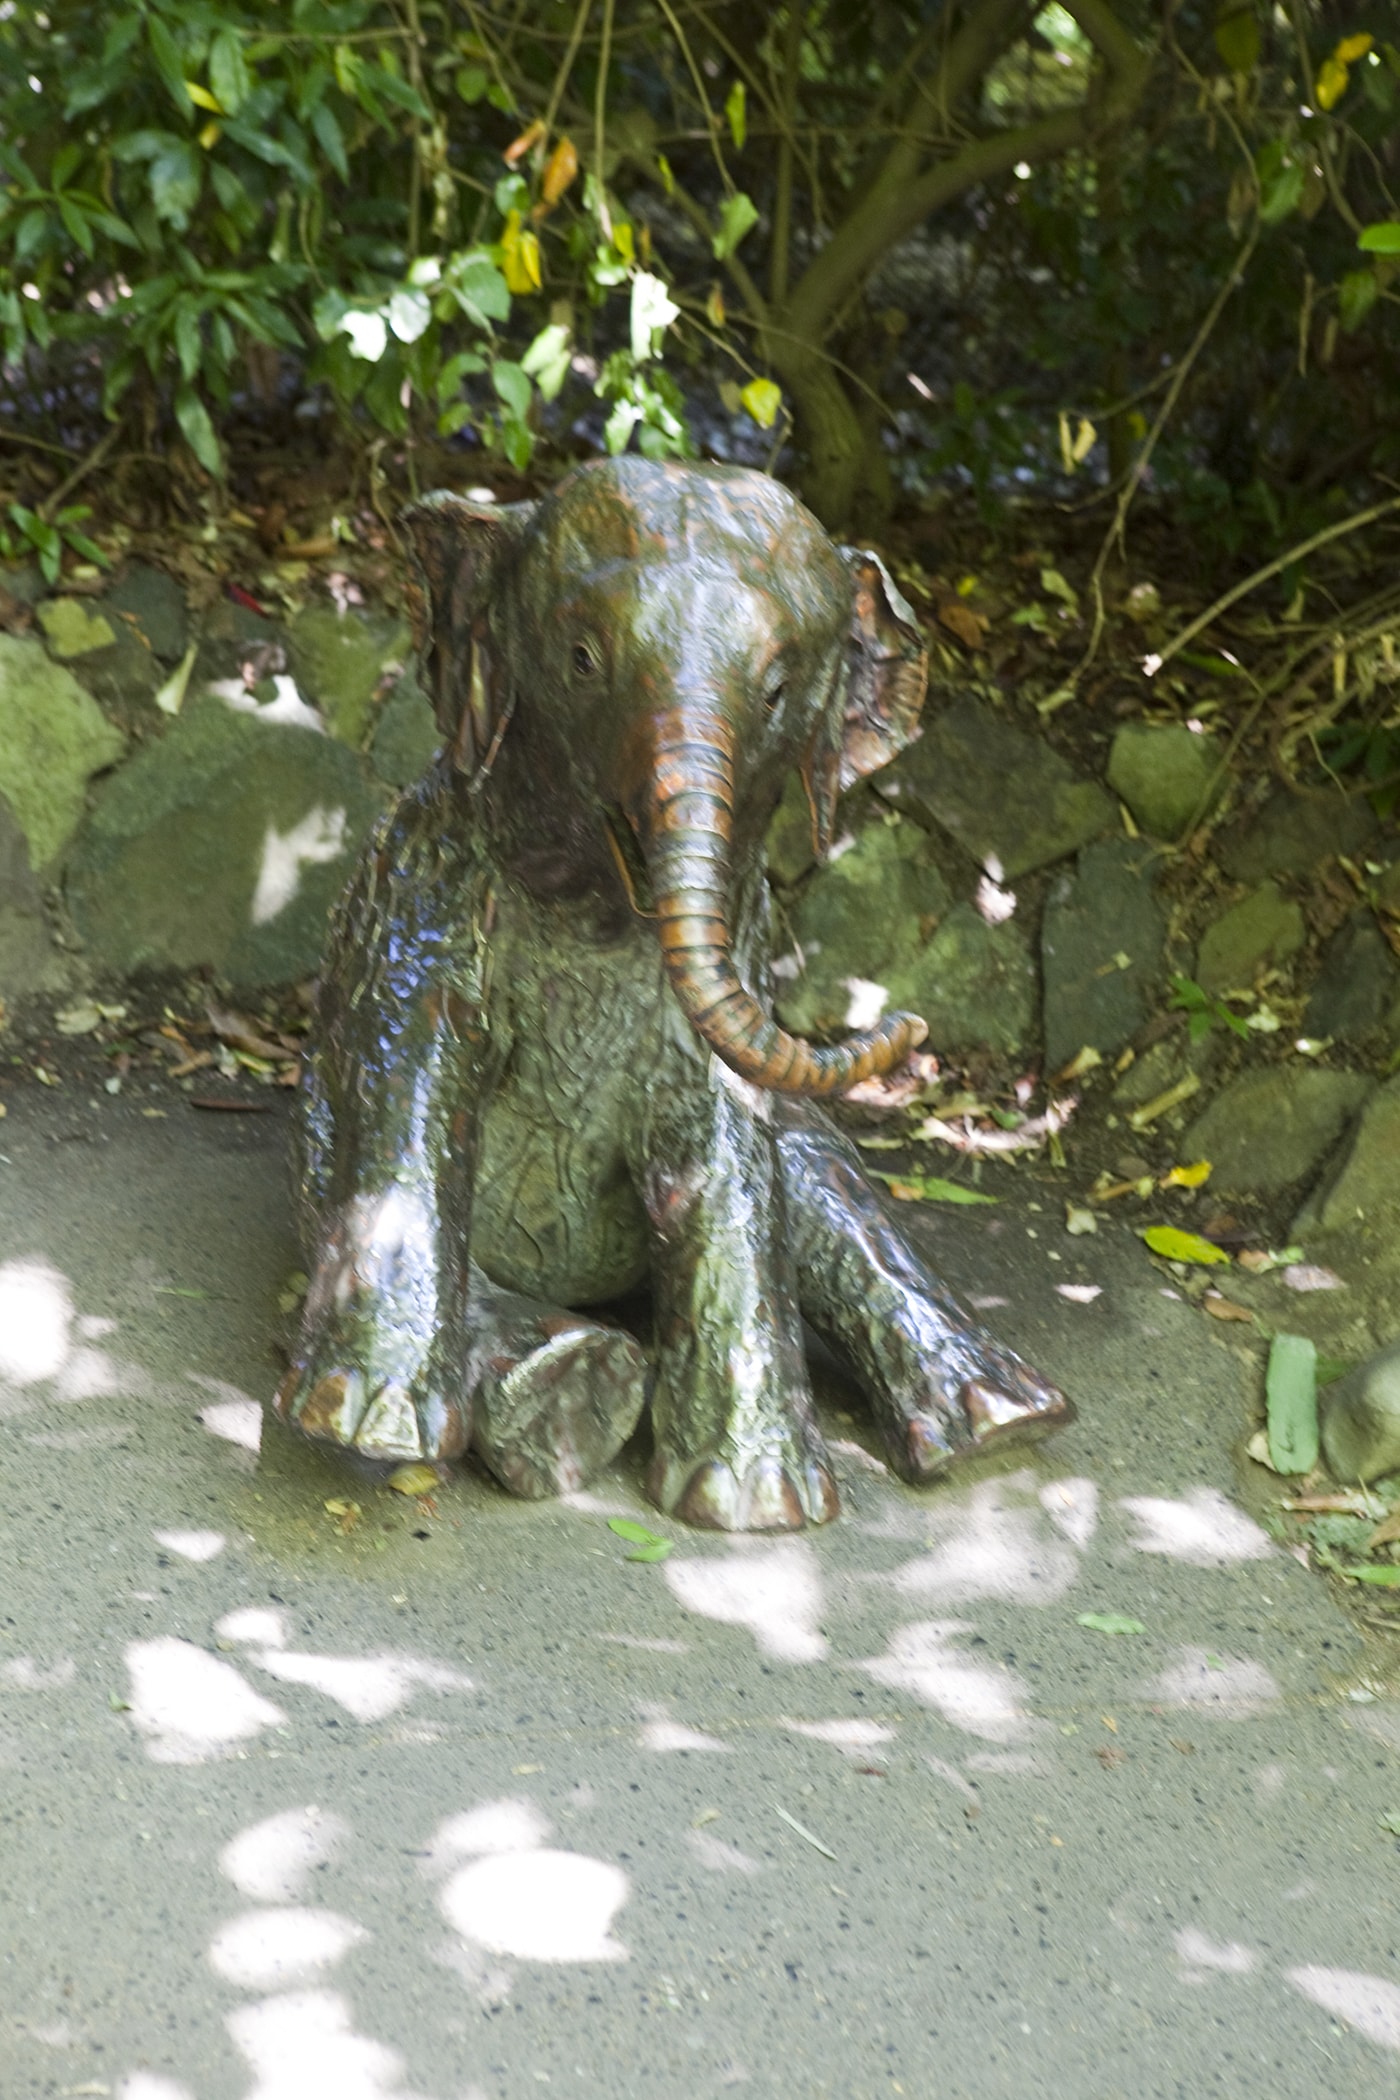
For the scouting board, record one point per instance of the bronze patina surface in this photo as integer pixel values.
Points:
(545, 1072)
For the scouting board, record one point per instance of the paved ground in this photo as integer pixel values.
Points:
(458, 1803)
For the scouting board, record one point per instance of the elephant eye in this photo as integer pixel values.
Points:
(585, 659)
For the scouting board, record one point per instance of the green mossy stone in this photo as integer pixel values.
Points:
(1262, 930)
(223, 845)
(53, 738)
(866, 913)
(1269, 1129)
(72, 627)
(1168, 775)
(973, 983)
(339, 661)
(406, 736)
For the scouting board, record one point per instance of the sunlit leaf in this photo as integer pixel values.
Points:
(1381, 239)
(198, 430)
(520, 255)
(408, 313)
(1175, 1245)
(653, 309)
(737, 216)
(649, 1544)
(414, 1479)
(1353, 47)
(736, 110)
(519, 147)
(202, 99)
(1332, 77)
(1356, 295)
(228, 72)
(1108, 1622)
(512, 387)
(929, 1188)
(1290, 1387)
(1385, 1576)
(559, 171)
(547, 359)
(714, 307)
(762, 399)
(1282, 193)
(1188, 1177)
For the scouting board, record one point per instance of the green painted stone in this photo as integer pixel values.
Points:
(864, 915)
(339, 661)
(225, 844)
(1167, 774)
(406, 735)
(72, 628)
(53, 738)
(1269, 1129)
(1262, 930)
(974, 984)
(1008, 798)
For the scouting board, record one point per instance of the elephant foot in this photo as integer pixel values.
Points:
(386, 1423)
(1008, 1405)
(548, 1420)
(771, 1494)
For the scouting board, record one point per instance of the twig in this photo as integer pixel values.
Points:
(600, 103)
(18, 437)
(80, 473)
(803, 1832)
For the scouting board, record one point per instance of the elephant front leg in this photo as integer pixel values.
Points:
(940, 1386)
(737, 1448)
(378, 1364)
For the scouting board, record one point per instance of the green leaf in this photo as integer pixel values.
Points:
(228, 72)
(169, 64)
(930, 1188)
(512, 386)
(1281, 195)
(1382, 1575)
(1357, 294)
(1174, 1245)
(1237, 39)
(187, 340)
(1290, 1387)
(176, 172)
(329, 137)
(457, 368)
(737, 216)
(736, 110)
(1391, 1822)
(1381, 239)
(762, 398)
(194, 421)
(471, 82)
(1109, 1622)
(650, 1545)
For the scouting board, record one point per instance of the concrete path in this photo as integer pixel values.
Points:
(441, 1803)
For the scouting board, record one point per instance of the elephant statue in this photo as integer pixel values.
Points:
(545, 1073)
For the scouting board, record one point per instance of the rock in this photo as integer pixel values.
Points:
(1359, 1418)
(1101, 951)
(223, 845)
(1357, 983)
(124, 680)
(406, 736)
(53, 738)
(236, 642)
(1164, 1065)
(1256, 934)
(1168, 775)
(151, 605)
(1364, 1190)
(72, 628)
(790, 849)
(864, 914)
(1008, 798)
(339, 661)
(1292, 833)
(1388, 887)
(974, 984)
(27, 958)
(1269, 1129)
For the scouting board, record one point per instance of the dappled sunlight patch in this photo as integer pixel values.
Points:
(1370, 2004)
(993, 1545)
(192, 1545)
(319, 837)
(302, 2047)
(1206, 1683)
(1017, 1764)
(865, 1001)
(31, 1676)
(234, 1422)
(651, 1647)
(982, 1698)
(519, 1896)
(150, 2085)
(189, 1706)
(272, 1860)
(773, 1588)
(855, 1738)
(1202, 1527)
(258, 1625)
(36, 1308)
(1203, 1958)
(1072, 1507)
(660, 1732)
(269, 1949)
(718, 1856)
(368, 1686)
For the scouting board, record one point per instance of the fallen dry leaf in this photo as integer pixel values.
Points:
(959, 619)
(1385, 1534)
(1226, 1309)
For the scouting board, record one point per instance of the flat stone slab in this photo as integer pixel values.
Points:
(1263, 930)
(339, 661)
(1008, 798)
(1357, 983)
(53, 738)
(1101, 951)
(1267, 1130)
(225, 844)
(974, 983)
(1364, 1191)
(1292, 833)
(865, 914)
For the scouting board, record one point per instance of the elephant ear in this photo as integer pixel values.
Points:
(886, 677)
(460, 549)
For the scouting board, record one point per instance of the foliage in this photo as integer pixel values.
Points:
(46, 538)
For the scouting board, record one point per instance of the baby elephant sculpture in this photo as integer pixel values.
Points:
(545, 1072)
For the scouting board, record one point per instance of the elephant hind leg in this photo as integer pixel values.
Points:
(940, 1386)
(554, 1395)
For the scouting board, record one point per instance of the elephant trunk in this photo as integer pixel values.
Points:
(686, 834)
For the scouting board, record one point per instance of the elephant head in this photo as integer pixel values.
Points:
(678, 639)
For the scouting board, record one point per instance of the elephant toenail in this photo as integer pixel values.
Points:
(771, 1502)
(711, 1498)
